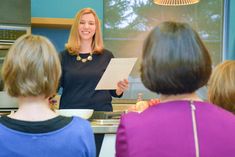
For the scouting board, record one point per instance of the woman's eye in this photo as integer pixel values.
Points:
(91, 23)
(82, 22)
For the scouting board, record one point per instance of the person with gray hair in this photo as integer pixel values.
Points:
(31, 73)
(175, 64)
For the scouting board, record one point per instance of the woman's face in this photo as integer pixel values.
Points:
(87, 27)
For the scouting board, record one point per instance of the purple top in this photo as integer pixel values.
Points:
(166, 130)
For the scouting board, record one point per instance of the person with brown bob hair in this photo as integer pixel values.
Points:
(31, 73)
(179, 56)
(175, 64)
(221, 86)
(83, 63)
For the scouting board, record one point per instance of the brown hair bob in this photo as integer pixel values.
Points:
(175, 60)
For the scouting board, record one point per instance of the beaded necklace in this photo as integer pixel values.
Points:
(84, 60)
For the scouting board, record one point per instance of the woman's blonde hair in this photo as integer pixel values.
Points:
(221, 86)
(31, 67)
(74, 41)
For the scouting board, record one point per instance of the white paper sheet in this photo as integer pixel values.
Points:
(117, 70)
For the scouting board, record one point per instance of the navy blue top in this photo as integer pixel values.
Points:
(80, 79)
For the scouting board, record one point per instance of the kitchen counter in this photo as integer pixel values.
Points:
(105, 126)
(98, 129)
(108, 127)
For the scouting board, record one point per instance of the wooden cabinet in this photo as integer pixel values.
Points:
(52, 22)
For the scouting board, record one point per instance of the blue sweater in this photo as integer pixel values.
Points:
(74, 140)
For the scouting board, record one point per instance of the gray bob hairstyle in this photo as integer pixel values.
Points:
(31, 68)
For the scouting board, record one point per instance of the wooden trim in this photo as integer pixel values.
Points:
(51, 22)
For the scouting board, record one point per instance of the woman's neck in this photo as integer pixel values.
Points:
(85, 46)
(33, 109)
(187, 96)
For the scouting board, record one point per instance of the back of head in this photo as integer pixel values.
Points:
(31, 67)
(175, 60)
(221, 88)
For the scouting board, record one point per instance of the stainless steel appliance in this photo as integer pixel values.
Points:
(15, 20)
(7, 103)
(8, 35)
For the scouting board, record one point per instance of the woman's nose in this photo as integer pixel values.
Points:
(86, 25)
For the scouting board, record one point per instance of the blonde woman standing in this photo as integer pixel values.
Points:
(83, 63)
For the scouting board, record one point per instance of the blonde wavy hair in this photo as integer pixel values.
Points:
(221, 86)
(74, 41)
(31, 67)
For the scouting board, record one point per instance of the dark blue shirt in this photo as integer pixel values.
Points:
(80, 79)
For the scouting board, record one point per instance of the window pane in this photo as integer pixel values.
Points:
(127, 22)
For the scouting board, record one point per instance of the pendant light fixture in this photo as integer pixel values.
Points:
(175, 2)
